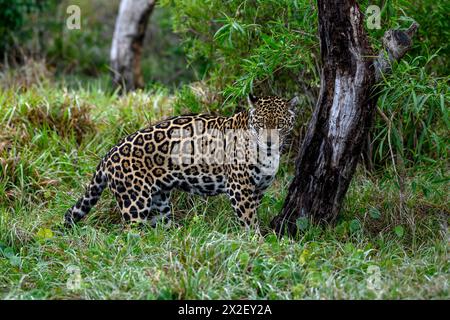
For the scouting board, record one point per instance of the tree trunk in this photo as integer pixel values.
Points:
(126, 49)
(342, 117)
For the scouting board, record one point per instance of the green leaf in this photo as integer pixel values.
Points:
(44, 234)
(374, 213)
(298, 291)
(234, 246)
(272, 239)
(15, 261)
(244, 258)
(304, 257)
(354, 225)
(9, 254)
(399, 231)
(342, 228)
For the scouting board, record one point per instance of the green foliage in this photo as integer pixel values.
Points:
(54, 130)
(415, 96)
(416, 105)
(43, 170)
(83, 51)
(13, 16)
(271, 47)
(434, 32)
(164, 60)
(250, 45)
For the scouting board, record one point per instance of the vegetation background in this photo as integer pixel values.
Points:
(59, 115)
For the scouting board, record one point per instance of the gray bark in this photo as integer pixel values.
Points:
(126, 49)
(343, 115)
(396, 43)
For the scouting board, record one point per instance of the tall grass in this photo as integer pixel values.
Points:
(391, 240)
(415, 114)
(374, 251)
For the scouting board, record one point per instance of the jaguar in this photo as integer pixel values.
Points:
(201, 154)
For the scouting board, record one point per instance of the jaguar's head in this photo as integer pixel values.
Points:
(272, 118)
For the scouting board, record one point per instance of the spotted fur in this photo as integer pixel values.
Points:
(141, 172)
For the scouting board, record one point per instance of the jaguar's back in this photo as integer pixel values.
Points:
(200, 154)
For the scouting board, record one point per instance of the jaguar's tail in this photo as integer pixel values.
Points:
(90, 198)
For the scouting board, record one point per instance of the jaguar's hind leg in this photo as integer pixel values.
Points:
(133, 205)
(161, 206)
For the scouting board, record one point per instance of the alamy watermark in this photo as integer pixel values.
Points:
(373, 13)
(74, 281)
(73, 22)
(197, 146)
(373, 281)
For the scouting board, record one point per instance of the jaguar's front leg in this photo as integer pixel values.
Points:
(245, 201)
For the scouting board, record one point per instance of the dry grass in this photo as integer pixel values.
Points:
(31, 73)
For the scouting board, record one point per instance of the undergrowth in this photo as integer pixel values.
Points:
(386, 244)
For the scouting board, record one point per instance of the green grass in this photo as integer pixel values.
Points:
(51, 138)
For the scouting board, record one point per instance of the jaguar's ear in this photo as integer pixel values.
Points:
(251, 99)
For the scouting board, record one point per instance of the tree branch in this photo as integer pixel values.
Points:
(396, 43)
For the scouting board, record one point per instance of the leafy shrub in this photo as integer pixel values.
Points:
(257, 45)
(13, 17)
(271, 47)
(416, 107)
(433, 34)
